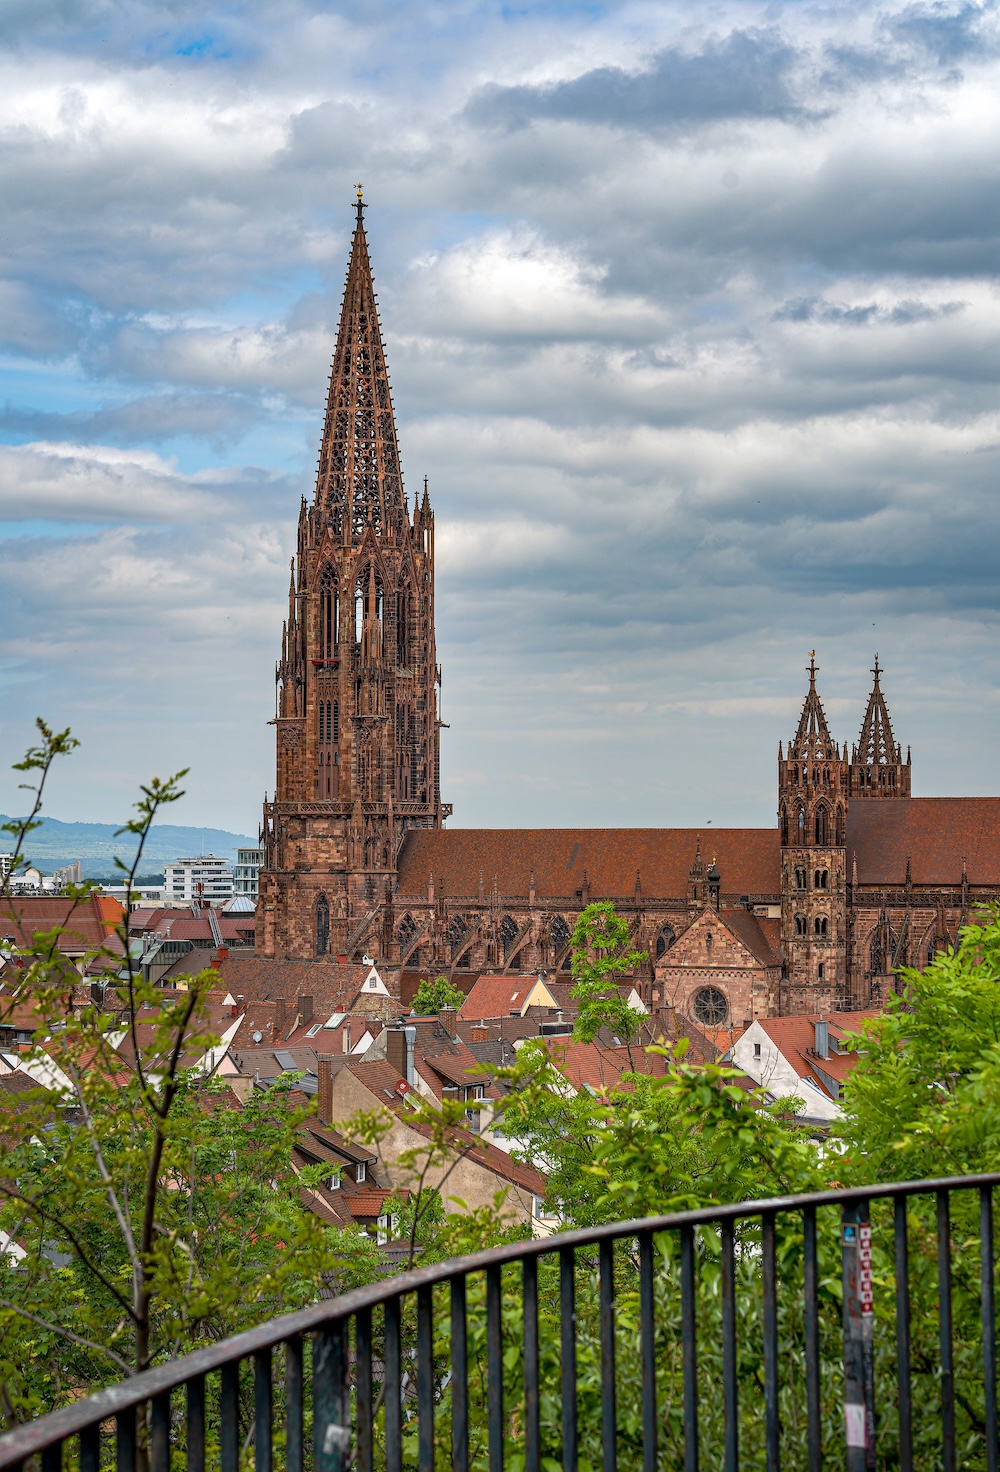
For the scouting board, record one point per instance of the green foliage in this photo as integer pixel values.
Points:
(432, 997)
(924, 1095)
(150, 1214)
(601, 953)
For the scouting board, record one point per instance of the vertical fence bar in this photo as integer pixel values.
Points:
(647, 1333)
(294, 1420)
(769, 1324)
(52, 1458)
(904, 1393)
(730, 1392)
(393, 1373)
(262, 1412)
(609, 1400)
(229, 1417)
(859, 1371)
(532, 1427)
(425, 1378)
(125, 1441)
(159, 1433)
(494, 1364)
(944, 1326)
(459, 1377)
(331, 1408)
(90, 1449)
(988, 1301)
(689, 1350)
(567, 1335)
(810, 1293)
(363, 1389)
(194, 1460)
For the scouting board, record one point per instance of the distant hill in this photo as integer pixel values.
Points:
(56, 844)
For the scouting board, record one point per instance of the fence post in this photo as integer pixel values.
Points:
(859, 1368)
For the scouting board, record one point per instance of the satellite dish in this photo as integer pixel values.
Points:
(258, 1037)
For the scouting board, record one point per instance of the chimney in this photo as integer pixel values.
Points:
(411, 1045)
(304, 1007)
(395, 1049)
(223, 952)
(280, 1014)
(324, 1090)
(345, 1033)
(822, 1038)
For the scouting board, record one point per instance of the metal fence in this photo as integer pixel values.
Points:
(850, 1329)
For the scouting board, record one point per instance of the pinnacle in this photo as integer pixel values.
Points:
(876, 743)
(812, 739)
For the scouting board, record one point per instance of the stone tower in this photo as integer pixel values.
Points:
(877, 766)
(813, 784)
(357, 719)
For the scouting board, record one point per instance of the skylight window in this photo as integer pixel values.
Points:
(314, 1029)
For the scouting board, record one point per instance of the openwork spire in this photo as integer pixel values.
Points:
(812, 739)
(876, 745)
(359, 483)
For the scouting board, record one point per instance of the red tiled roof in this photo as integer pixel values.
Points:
(498, 996)
(935, 833)
(86, 923)
(588, 1066)
(795, 1038)
(749, 860)
(748, 928)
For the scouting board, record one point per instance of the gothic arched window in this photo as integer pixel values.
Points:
(664, 940)
(800, 879)
(841, 839)
(322, 926)
(403, 627)
(819, 925)
(329, 613)
(784, 826)
(876, 953)
(457, 929)
(800, 925)
(820, 878)
(515, 964)
(802, 825)
(558, 933)
(821, 825)
(406, 930)
(508, 932)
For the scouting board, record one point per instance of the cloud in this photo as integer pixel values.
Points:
(692, 322)
(743, 75)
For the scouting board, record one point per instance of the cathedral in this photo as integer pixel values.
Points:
(856, 879)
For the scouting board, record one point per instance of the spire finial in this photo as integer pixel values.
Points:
(877, 670)
(360, 206)
(813, 667)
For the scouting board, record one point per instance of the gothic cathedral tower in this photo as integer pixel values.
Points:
(813, 784)
(877, 766)
(357, 719)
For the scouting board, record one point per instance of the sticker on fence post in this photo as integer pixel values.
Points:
(859, 1369)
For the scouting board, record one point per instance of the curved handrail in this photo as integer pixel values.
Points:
(28, 1440)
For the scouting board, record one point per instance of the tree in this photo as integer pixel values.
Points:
(433, 996)
(143, 1211)
(601, 953)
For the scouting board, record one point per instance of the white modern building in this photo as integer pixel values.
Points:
(245, 871)
(202, 881)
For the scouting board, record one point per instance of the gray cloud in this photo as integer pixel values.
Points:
(743, 75)
(693, 326)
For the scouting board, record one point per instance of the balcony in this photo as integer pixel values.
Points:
(849, 1329)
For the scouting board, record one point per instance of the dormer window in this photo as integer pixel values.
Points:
(361, 1172)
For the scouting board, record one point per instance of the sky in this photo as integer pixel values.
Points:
(692, 319)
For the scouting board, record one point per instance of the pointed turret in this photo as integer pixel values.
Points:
(877, 766)
(812, 739)
(359, 483)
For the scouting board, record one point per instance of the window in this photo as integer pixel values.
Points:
(558, 933)
(406, 930)
(784, 826)
(515, 965)
(819, 971)
(508, 933)
(403, 627)
(322, 926)
(329, 613)
(820, 878)
(361, 1172)
(819, 925)
(800, 925)
(708, 944)
(710, 1006)
(756, 1050)
(800, 879)
(821, 825)
(335, 1180)
(664, 940)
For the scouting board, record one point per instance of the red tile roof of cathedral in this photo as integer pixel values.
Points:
(935, 833)
(749, 860)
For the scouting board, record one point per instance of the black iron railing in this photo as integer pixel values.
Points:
(802, 1330)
